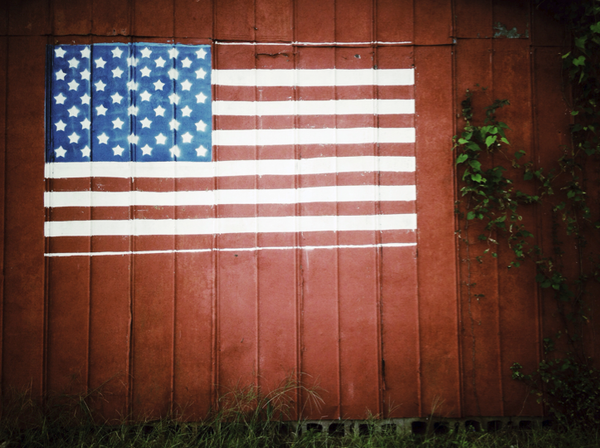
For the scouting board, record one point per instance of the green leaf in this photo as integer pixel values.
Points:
(475, 165)
(504, 140)
(578, 62)
(564, 56)
(580, 42)
(490, 140)
(462, 141)
(461, 158)
(595, 27)
(471, 215)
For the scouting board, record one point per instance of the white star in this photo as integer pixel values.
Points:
(161, 139)
(85, 53)
(132, 110)
(73, 112)
(101, 110)
(85, 99)
(85, 152)
(174, 124)
(146, 123)
(117, 72)
(103, 138)
(174, 98)
(201, 98)
(85, 74)
(200, 74)
(201, 53)
(186, 63)
(100, 63)
(201, 126)
(160, 111)
(175, 151)
(73, 63)
(60, 98)
(187, 137)
(132, 85)
(118, 123)
(73, 138)
(158, 85)
(201, 151)
(117, 52)
(118, 150)
(173, 52)
(116, 98)
(146, 150)
(186, 111)
(133, 139)
(60, 126)
(145, 96)
(59, 52)
(132, 61)
(145, 71)
(185, 85)
(160, 62)
(85, 124)
(100, 85)
(146, 52)
(173, 73)
(60, 151)
(60, 76)
(73, 85)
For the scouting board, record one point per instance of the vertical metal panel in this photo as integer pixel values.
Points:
(439, 352)
(152, 339)
(399, 304)
(29, 18)
(274, 20)
(518, 295)
(3, 86)
(315, 21)
(194, 19)
(235, 20)
(237, 301)
(111, 17)
(433, 22)
(72, 17)
(3, 18)
(474, 19)
(481, 369)
(353, 21)
(24, 214)
(153, 18)
(277, 270)
(394, 20)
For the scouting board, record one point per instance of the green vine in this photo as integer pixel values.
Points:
(566, 381)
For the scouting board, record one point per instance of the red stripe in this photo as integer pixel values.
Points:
(229, 211)
(209, 242)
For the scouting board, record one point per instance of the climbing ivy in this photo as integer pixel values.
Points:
(566, 381)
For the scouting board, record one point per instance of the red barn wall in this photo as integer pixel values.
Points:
(155, 340)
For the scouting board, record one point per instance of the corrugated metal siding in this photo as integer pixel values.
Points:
(393, 338)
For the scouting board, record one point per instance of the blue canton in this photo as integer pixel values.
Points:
(128, 102)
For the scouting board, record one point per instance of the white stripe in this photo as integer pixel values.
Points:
(328, 136)
(273, 167)
(213, 226)
(317, 44)
(332, 107)
(353, 193)
(229, 249)
(313, 78)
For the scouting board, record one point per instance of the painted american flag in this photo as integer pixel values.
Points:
(150, 149)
